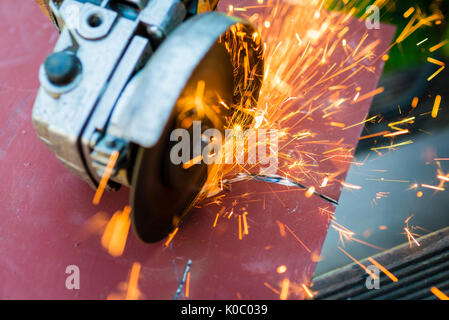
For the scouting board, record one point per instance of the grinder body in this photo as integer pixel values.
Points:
(117, 83)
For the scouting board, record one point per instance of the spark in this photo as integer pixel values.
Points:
(216, 219)
(133, 291)
(310, 192)
(374, 135)
(266, 284)
(397, 133)
(337, 124)
(432, 187)
(383, 269)
(240, 228)
(245, 224)
(411, 237)
(325, 181)
(192, 162)
(129, 290)
(438, 63)
(116, 232)
(409, 12)
(436, 73)
(438, 293)
(307, 290)
(281, 269)
(105, 178)
(297, 238)
(444, 178)
(281, 229)
(393, 145)
(351, 186)
(284, 289)
(411, 27)
(370, 94)
(187, 285)
(360, 123)
(438, 46)
(407, 120)
(421, 42)
(372, 275)
(436, 106)
(171, 236)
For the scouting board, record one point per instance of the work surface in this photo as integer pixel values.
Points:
(44, 209)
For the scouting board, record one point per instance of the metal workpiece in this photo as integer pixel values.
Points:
(122, 77)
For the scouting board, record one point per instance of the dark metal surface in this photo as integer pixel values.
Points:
(418, 268)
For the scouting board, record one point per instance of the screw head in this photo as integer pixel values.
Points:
(62, 67)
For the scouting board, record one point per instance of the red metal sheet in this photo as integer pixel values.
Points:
(44, 208)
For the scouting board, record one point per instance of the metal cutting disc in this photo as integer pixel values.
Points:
(162, 192)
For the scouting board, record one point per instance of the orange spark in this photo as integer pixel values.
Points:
(337, 124)
(438, 46)
(383, 269)
(240, 227)
(351, 186)
(129, 290)
(409, 12)
(284, 289)
(171, 236)
(281, 229)
(445, 178)
(105, 178)
(216, 219)
(436, 106)
(245, 224)
(438, 63)
(358, 263)
(407, 120)
(374, 135)
(192, 162)
(360, 123)
(393, 145)
(187, 285)
(436, 73)
(266, 284)
(371, 94)
(281, 269)
(432, 187)
(397, 133)
(440, 295)
(307, 290)
(310, 192)
(116, 232)
(410, 236)
(133, 292)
